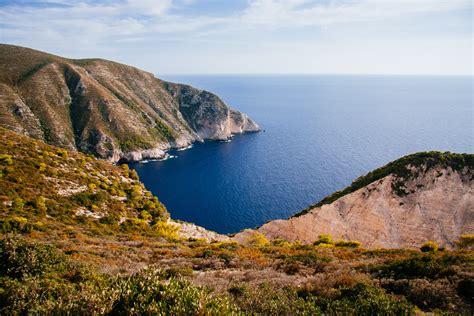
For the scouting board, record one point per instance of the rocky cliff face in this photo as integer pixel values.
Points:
(108, 109)
(427, 196)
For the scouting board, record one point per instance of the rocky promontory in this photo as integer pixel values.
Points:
(107, 109)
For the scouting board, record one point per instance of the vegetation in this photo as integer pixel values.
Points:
(81, 236)
(421, 162)
(429, 246)
(465, 241)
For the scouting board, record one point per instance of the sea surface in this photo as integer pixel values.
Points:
(319, 134)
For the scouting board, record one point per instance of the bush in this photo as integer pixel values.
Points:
(256, 239)
(363, 299)
(348, 244)
(324, 240)
(146, 293)
(269, 300)
(422, 266)
(166, 230)
(20, 259)
(6, 159)
(465, 241)
(429, 246)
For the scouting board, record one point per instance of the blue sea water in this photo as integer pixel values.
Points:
(320, 133)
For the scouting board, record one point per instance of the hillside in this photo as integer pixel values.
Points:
(107, 109)
(424, 196)
(82, 236)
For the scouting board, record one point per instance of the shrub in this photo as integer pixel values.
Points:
(145, 215)
(364, 299)
(429, 246)
(422, 266)
(270, 300)
(41, 167)
(6, 159)
(125, 170)
(465, 241)
(324, 239)
(146, 293)
(348, 244)
(20, 258)
(256, 239)
(41, 205)
(18, 204)
(133, 175)
(166, 230)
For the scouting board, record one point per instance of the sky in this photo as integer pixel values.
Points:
(433, 37)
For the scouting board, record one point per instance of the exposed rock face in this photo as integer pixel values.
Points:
(438, 205)
(110, 110)
(188, 230)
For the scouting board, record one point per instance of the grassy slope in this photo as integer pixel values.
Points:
(44, 187)
(422, 161)
(44, 88)
(53, 261)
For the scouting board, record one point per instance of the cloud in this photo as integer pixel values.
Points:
(108, 28)
(285, 13)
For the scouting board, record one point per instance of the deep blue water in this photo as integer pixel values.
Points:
(321, 132)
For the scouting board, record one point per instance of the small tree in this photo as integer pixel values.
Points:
(429, 246)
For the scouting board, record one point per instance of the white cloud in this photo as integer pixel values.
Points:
(107, 29)
(284, 13)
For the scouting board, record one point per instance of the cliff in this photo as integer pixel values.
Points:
(105, 108)
(420, 197)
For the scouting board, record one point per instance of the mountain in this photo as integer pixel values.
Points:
(107, 109)
(420, 197)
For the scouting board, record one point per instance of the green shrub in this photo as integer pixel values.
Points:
(363, 299)
(465, 241)
(429, 246)
(422, 266)
(348, 244)
(324, 239)
(20, 258)
(146, 293)
(6, 159)
(18, 204)
(266, 299)
(256, 239)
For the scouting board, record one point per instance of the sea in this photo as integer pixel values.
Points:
(319, 133)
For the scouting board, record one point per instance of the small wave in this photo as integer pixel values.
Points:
(167, 157)
(184, 148)
(144, 161)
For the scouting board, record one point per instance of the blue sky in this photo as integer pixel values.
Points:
(252, 36)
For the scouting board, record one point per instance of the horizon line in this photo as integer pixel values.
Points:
(309, 74)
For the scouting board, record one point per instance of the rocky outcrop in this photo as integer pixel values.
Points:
(107, 109)
(189, 230)
(407, 204)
